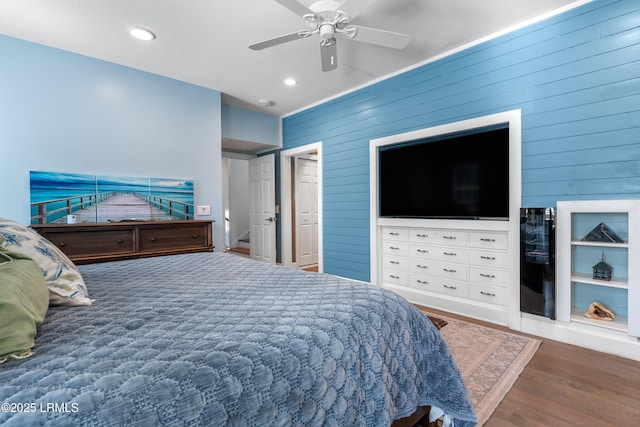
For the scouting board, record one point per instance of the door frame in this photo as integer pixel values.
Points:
(286, 217)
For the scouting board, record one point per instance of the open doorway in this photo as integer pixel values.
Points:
(301, 206)
(235, 179)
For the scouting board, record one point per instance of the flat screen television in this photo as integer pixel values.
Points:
(463, 175)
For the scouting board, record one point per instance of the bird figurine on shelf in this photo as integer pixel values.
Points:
(599, 311)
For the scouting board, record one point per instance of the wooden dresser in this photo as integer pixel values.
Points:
(98, 242)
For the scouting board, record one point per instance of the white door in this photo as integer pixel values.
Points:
(307, 211)
(263, 208)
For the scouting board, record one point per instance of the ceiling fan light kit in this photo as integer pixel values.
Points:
(328, 18)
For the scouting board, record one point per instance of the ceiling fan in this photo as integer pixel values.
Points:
(328, 18)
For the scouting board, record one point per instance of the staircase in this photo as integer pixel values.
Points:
(242, 246)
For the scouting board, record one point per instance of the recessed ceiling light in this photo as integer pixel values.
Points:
(290, 82)
(141, 33)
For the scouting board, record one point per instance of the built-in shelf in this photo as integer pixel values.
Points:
(587, 256)
(618, 324)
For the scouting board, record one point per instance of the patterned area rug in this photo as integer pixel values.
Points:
(490, 361)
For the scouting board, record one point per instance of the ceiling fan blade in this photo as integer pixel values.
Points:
(329, 54)
(354, 8)
(295, 7)
(280, 40)
(379, 37)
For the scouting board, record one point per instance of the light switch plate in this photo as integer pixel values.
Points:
(203, 210)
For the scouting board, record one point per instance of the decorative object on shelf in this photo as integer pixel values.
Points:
(599, 311)
(602, 233)
(602, 270)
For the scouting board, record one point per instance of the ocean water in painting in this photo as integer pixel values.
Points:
(108, 198)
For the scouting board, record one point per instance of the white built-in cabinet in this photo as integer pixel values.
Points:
(589, 233)
(459, 266)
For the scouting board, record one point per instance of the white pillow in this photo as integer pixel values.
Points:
(65, 283)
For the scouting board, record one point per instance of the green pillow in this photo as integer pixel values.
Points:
(24, 299)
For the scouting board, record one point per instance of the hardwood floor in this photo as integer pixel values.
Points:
(565, 385)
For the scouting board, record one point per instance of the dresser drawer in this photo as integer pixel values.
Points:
(395, 234)
(488, 240)
(439, 253)
(395, 263)
(450, 271)
(420, 281)
(395, 276)
(452, 238)
(448, 287)
(421, 251)
(395, 248)
(97, 242)
(160, 238)
(485, 276)
(483, 258)
(422, 266)
(417, 235)
(93, 242)
(488, 294)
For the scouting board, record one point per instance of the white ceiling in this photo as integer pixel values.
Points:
(205, 42)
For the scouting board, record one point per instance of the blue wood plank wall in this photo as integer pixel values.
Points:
(576, 77)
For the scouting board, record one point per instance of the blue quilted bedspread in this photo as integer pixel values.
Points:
(214, 339)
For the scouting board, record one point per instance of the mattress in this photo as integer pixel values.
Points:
(219, 340)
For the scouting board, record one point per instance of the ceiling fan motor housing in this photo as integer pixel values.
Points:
(327, 31)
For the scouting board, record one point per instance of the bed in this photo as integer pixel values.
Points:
(214, 339)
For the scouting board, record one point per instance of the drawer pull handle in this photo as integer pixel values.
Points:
(423, 251)
(450, 253)
(394, 262)
(394, 234)
(450, 287)
(449, 237)
(489, 294)
(153, 239)
(422, 235)
(194, 236)
(449, 271)
(119, 241)
(486, 239)
(422, 266)
(394, 248)
(394, 277)
(63, 244)
(422, 282)
(488, 276)
(490, 258)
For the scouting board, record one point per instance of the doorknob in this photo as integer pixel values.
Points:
(270, 219)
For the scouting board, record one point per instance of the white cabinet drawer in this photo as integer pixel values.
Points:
(396, 263)
(421, 266)
(447, 287)
(452, 238)
(488, 258)
(395, 248)
(439, 253)
(421, 251)
(395, 234)
(450, 271)
(418, 235)
(395, 276)
(422, 282)
(488, 240)
(488, 294)
(485, 276)
(457, 255)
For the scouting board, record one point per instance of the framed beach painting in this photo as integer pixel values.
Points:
(68, 198)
